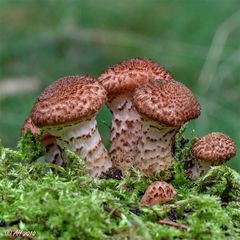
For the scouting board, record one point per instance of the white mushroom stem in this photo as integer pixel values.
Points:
(201, 167)
(125, 132)
(155, 147)
(53, 152)
(84, 139)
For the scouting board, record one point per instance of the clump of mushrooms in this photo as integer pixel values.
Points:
(211, 150)
(148, 108)
(158, 192)
(67, 110)
(164, 107)
(120, 80)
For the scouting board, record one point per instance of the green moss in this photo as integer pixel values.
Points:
(222, 182)
(59, 203)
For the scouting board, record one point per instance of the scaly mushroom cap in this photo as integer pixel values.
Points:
(158, 192)
(126, 75)
(67, 100)
(168, 102)
(29, 125)
(214, 147)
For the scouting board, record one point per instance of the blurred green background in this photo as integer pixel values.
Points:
(197, 41)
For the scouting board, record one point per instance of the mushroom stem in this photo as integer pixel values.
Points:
(53, 152)
(84, 139)
(125, 132)
(155, 147)
(200, 168)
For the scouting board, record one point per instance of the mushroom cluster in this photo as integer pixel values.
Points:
(148, 108)
(120, 81)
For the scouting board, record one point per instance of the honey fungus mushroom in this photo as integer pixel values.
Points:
(67, 109)
(158, 192)
(164, 107)
(120, 80)
(211, 150)
(53, 152)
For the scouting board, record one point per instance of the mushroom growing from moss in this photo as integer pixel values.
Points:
(120, 80)
(158, 192)
(67, 109)
(164, 107)
(211, 150)
(53, 152)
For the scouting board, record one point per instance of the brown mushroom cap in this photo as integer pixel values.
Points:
(214, 147)
(169, 102)
(67, 100)
(158, 192)
(130, 73)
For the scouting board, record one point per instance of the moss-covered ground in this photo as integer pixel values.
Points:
(57, 203)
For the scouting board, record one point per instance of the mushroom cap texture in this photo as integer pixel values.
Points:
(214, 147)
(126, 75)
(168, 102)
(67, 100)
(158, 192)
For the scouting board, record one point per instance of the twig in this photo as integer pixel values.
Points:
(112, 211)
(20, 233)
(174, 224)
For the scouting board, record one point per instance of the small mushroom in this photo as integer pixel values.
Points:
(211, 150)
(53, 152)
(164, 106)
(120, 80)
(158, 192)
(67, 109)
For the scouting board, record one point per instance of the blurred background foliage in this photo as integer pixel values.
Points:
(197, 41)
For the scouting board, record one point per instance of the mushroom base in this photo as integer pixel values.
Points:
(155, 147)
(125, 133)
(201, 167)
(53, 152)
(84, 139)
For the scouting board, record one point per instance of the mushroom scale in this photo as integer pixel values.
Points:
(158, 192)
(53, 152)
(67, 109)
(120, 81)
(126, 126)
(164, 106)
(211, 150)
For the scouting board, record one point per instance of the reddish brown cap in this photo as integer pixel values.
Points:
(158, 192)
(168, 102)
(28, 125)
(68, 99)
(126, 75)
(214, 147)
